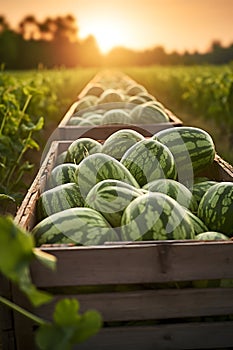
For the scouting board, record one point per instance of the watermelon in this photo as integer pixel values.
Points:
(95, 118)
(135, 89)
(174, 189)
(81, 148)
(200, 188)
(82, 104)
(75, 120)
(196, 223)
(155, 216)
(149, 160)
(146, 96)
(110, 95)
(86, 122)
(80, 226)
(110, 198)
(61, 174)
(120, 141)
(116, 116)
(137, 100)
(192, 148)
(216, 208)
(59, 198)
(94, 89)
(98, 167)
(211, 236)
(147, 113)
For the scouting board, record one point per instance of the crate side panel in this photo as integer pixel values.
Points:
(145, 264)
(152, 304)
(179, 336)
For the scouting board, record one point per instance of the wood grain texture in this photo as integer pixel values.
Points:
(179, 336)
(152, 304)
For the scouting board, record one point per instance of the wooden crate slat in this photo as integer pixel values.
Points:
(145, 264)
(179, 336)
(152, 304)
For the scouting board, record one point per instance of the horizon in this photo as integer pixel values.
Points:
(165, 23)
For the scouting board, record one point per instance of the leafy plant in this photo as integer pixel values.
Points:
(68, 326)
(17, 130)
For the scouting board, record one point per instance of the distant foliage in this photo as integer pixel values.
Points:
(55, 42)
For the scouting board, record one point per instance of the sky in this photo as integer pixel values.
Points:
(138, 24)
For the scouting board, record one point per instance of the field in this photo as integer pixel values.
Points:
(34, 102)
(199, 95)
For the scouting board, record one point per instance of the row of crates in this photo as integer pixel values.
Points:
(133, 282)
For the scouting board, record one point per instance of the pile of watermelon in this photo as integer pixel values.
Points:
(121, 101)
(132, 188)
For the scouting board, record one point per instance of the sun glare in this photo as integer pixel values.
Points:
(108, 33)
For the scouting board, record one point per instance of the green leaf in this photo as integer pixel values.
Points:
(51, 337)
(33, 144)
(68, 327)
(16, 253)
(35, 296)
(66, 312)
(39, 125)
(16, 249)
(88, 326)
(46, 259)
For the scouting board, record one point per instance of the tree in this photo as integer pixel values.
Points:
(29, 28)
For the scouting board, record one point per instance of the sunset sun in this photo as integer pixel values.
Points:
(108, 32)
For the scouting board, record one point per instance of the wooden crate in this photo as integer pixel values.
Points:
(101, 132)
(147, 315)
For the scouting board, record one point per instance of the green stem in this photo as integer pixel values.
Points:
(26, 103)
(22, 311)
(19, 158)
(3, 121)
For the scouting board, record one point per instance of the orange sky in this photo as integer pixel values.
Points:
(175, 24)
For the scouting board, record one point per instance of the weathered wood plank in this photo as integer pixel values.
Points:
(152, 304)
(170, 336)
(145, 264)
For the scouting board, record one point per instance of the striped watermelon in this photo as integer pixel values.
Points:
(200, 188)
(98, 167)
(137, 100)
(82, 105)
(74, 120)
(216, 208)
(110, 198)
(148, 113)
(95, 118)
(80, 226)
(120, 141)
(155, 216)
(57, 199)
(196, 223)
(95, 89)
(146, 96)
(110, 95)
(192, 148)
(61, 174)
(174, 189)
(211, 236)
(86, 122)
(135, 89)
(81, 148)
(116, 116)
(149, 160)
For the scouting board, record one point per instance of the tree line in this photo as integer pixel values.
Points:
(55, 42)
